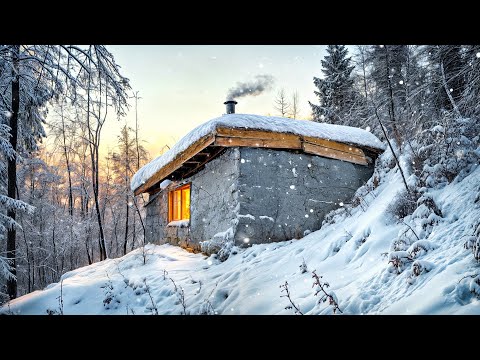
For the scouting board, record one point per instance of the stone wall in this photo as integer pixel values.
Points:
(257, 195)
(213, 205)
(282, 194)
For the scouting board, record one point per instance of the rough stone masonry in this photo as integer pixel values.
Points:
(255, 195)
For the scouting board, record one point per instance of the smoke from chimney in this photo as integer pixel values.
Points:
(251, 88)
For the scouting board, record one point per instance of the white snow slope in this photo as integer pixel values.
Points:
(340, 133)
(351, 254)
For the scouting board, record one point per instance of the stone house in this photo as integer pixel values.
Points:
(246, 179)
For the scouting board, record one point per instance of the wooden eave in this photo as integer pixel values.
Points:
(194, 158)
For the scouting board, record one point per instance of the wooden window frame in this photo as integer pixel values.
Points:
(171, 195)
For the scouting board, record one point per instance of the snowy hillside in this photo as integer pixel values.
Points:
(355, 252)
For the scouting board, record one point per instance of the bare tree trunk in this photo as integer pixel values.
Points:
(143, 228)
(55, 255)
(450, 97)
(93, 144)
(29, 267)
(88, 253)
(12, 174)
(134, 232)
(391, 149)
(392, 104)
(136, 131)
(67, 161)
(126, 230)
(126, 200)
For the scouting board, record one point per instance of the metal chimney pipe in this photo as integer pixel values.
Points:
(230, 104)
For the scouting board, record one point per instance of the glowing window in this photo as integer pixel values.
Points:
(179, 204)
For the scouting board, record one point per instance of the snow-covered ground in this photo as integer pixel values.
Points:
(351, 252)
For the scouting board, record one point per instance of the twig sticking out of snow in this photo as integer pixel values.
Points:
(321, 286)
(147, 289)
(207, 308)
(303, 267)
(292, 305)
(181, 296)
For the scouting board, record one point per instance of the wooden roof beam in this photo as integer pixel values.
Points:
(176, 163)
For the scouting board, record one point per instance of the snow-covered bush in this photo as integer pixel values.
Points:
(475, 286)
(448, 150)
(110, 301)
(397, 261)
(420, 247)
(427, 200)
(335, 216)
(400, 244)
(222, 244)
(403, 204)
(426, 218)
(473, 242)
(421, 266)
(476, 245)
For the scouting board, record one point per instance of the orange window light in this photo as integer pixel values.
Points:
(179, 204)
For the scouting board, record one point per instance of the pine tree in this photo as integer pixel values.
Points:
(335, 91)
(388, 63)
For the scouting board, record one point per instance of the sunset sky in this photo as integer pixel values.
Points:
(183, 86)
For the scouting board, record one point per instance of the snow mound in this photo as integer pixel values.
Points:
(340, 133)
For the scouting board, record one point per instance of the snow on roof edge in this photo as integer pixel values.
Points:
(339, 133)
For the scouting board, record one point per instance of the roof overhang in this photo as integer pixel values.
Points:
(208, 147)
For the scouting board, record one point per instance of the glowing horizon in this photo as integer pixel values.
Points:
(181, 87)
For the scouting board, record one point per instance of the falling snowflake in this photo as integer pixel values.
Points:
(311, 210)
(210, 262)
(401, 82)
(478, 55)
(306, 215)
(451, 90)
(309, 165)
(367, 128)
(242, 161)
(292, 187)
(246, 240)
(8, 114)
(341, 204)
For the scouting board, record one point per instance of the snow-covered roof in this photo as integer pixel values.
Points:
(338, 133)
